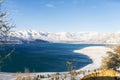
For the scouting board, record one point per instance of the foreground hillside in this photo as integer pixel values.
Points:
(104, 75)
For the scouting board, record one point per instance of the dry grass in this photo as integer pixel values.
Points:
(103, 75)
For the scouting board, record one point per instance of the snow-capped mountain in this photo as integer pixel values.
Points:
(77, 37)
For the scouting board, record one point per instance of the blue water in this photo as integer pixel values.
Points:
(44, 57)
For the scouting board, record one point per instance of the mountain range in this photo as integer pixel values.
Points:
(67, 37)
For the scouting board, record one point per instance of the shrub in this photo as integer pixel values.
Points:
(112, 60)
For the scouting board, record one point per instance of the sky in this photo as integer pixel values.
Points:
(65, 15)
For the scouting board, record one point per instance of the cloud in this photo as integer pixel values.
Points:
(50, 5)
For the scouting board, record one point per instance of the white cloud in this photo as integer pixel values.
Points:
(50, 5)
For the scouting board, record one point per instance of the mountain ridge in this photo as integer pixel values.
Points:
(75, 37)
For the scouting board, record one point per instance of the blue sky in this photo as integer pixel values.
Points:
(65, 15)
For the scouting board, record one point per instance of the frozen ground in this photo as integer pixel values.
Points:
(95, 53)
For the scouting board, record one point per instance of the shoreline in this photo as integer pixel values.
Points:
(95, 53)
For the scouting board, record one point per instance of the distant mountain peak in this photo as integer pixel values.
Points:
(77, 37)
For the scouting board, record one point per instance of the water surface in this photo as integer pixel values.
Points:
(45, 57)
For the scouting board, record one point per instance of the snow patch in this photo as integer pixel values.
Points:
(95, 53)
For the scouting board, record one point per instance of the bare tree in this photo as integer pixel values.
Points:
(5, 28)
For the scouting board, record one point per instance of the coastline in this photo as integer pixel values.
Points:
(95, 53)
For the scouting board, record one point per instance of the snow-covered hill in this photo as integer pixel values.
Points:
(76, 37)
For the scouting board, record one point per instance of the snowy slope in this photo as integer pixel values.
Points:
(77, 37)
